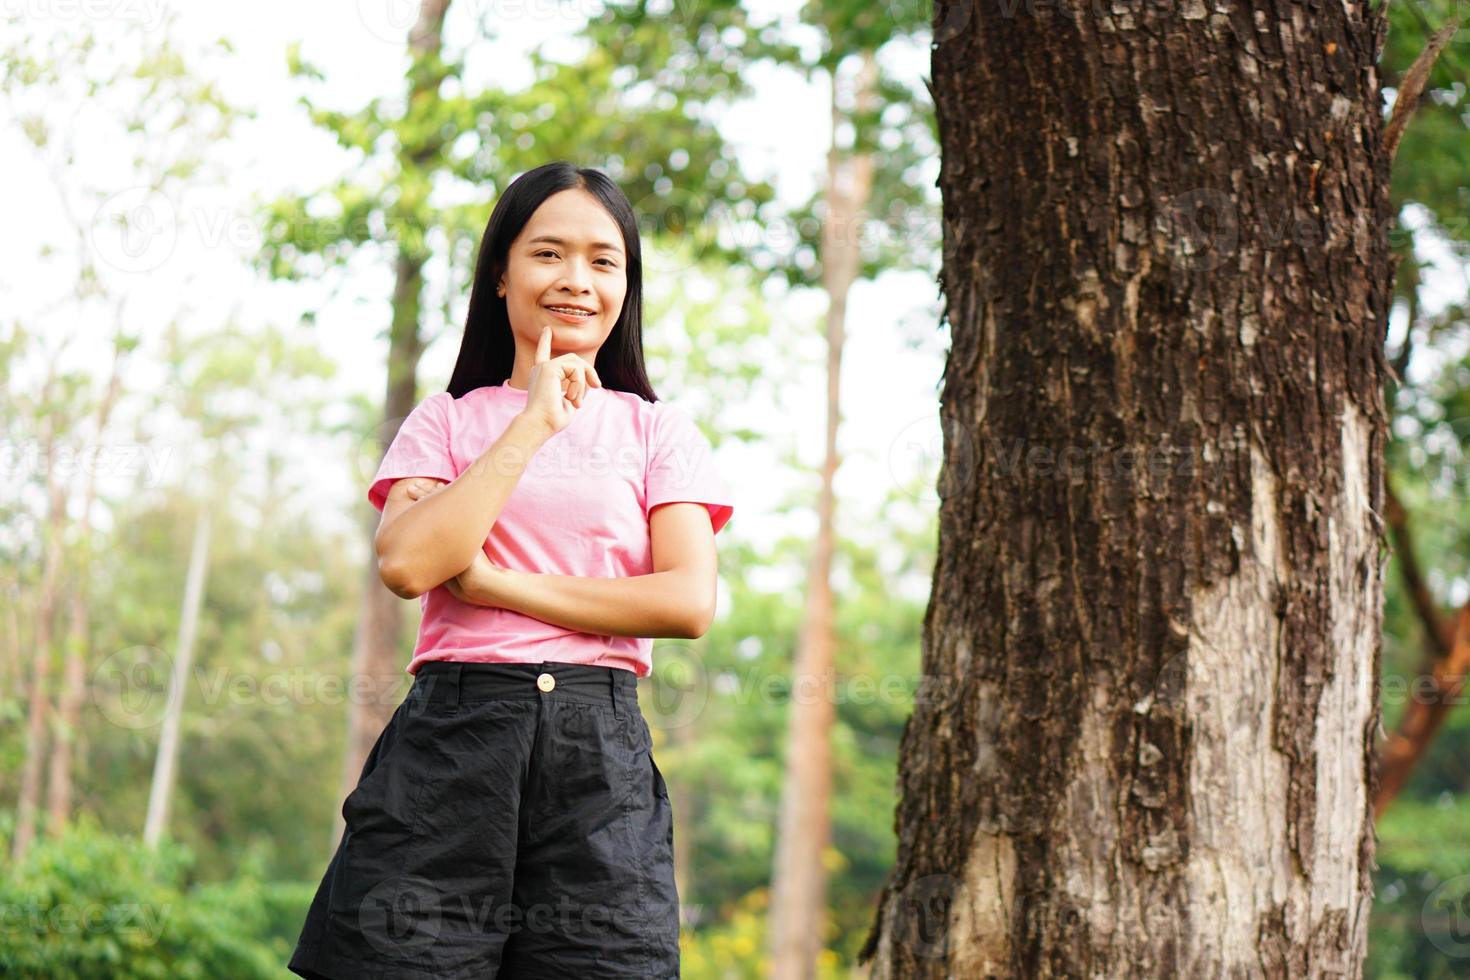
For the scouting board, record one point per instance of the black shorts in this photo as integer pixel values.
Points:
(509, 822)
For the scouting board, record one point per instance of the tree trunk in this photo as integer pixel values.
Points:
(38, 715)
(798, 913)
(1146, 742)
(78, 639)
(1429, 704)
(377, 658)
(165, 763)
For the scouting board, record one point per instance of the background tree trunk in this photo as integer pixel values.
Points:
(798, 913)
(166, 762)
(40, 710)
(79, 634)
(377, 655)
(1153, 639)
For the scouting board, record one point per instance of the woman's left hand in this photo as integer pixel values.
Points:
(476, 584)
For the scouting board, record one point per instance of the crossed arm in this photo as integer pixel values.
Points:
(677, 599)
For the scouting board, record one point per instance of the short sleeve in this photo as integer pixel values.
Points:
(421, 448)
(681, 466)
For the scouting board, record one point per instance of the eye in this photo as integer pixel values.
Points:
(544, 251)
(610, 263)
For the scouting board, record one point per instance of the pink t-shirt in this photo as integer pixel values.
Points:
(580, 508)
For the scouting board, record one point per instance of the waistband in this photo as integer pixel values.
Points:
(452, 682)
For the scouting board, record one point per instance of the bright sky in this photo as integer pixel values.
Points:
(199, 277)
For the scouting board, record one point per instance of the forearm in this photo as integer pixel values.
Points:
(660, 604)
(438, 537)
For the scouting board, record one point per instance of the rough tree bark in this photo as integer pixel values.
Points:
(1154, 633)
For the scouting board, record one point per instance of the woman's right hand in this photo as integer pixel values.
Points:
(557, 385)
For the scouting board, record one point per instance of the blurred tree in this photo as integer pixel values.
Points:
(1429, 396)
(157, 115)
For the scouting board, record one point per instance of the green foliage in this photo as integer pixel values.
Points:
(1430, 165)
(734, 947)
(719, 710)
(1421, 890)
(1422, 882)
(90, 905)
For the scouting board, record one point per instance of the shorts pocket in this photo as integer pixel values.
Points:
(381, 818)
(659, 788)
(374, 770)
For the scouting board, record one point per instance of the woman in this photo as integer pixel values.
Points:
(551, 516)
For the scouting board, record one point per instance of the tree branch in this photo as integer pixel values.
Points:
(1412, 88)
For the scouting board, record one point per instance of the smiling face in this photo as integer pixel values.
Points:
(569, 255)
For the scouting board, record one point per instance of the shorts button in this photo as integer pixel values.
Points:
(546, 682)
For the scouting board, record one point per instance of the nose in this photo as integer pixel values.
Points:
(577, 274)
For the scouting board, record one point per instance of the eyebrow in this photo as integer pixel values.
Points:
(557, 241)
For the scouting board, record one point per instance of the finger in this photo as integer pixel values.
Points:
(543, 345)
(592, 373)
(569, 383)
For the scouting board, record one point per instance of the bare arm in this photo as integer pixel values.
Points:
(421, 543)
(677, 599)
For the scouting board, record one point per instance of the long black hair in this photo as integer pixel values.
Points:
(487, 352)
